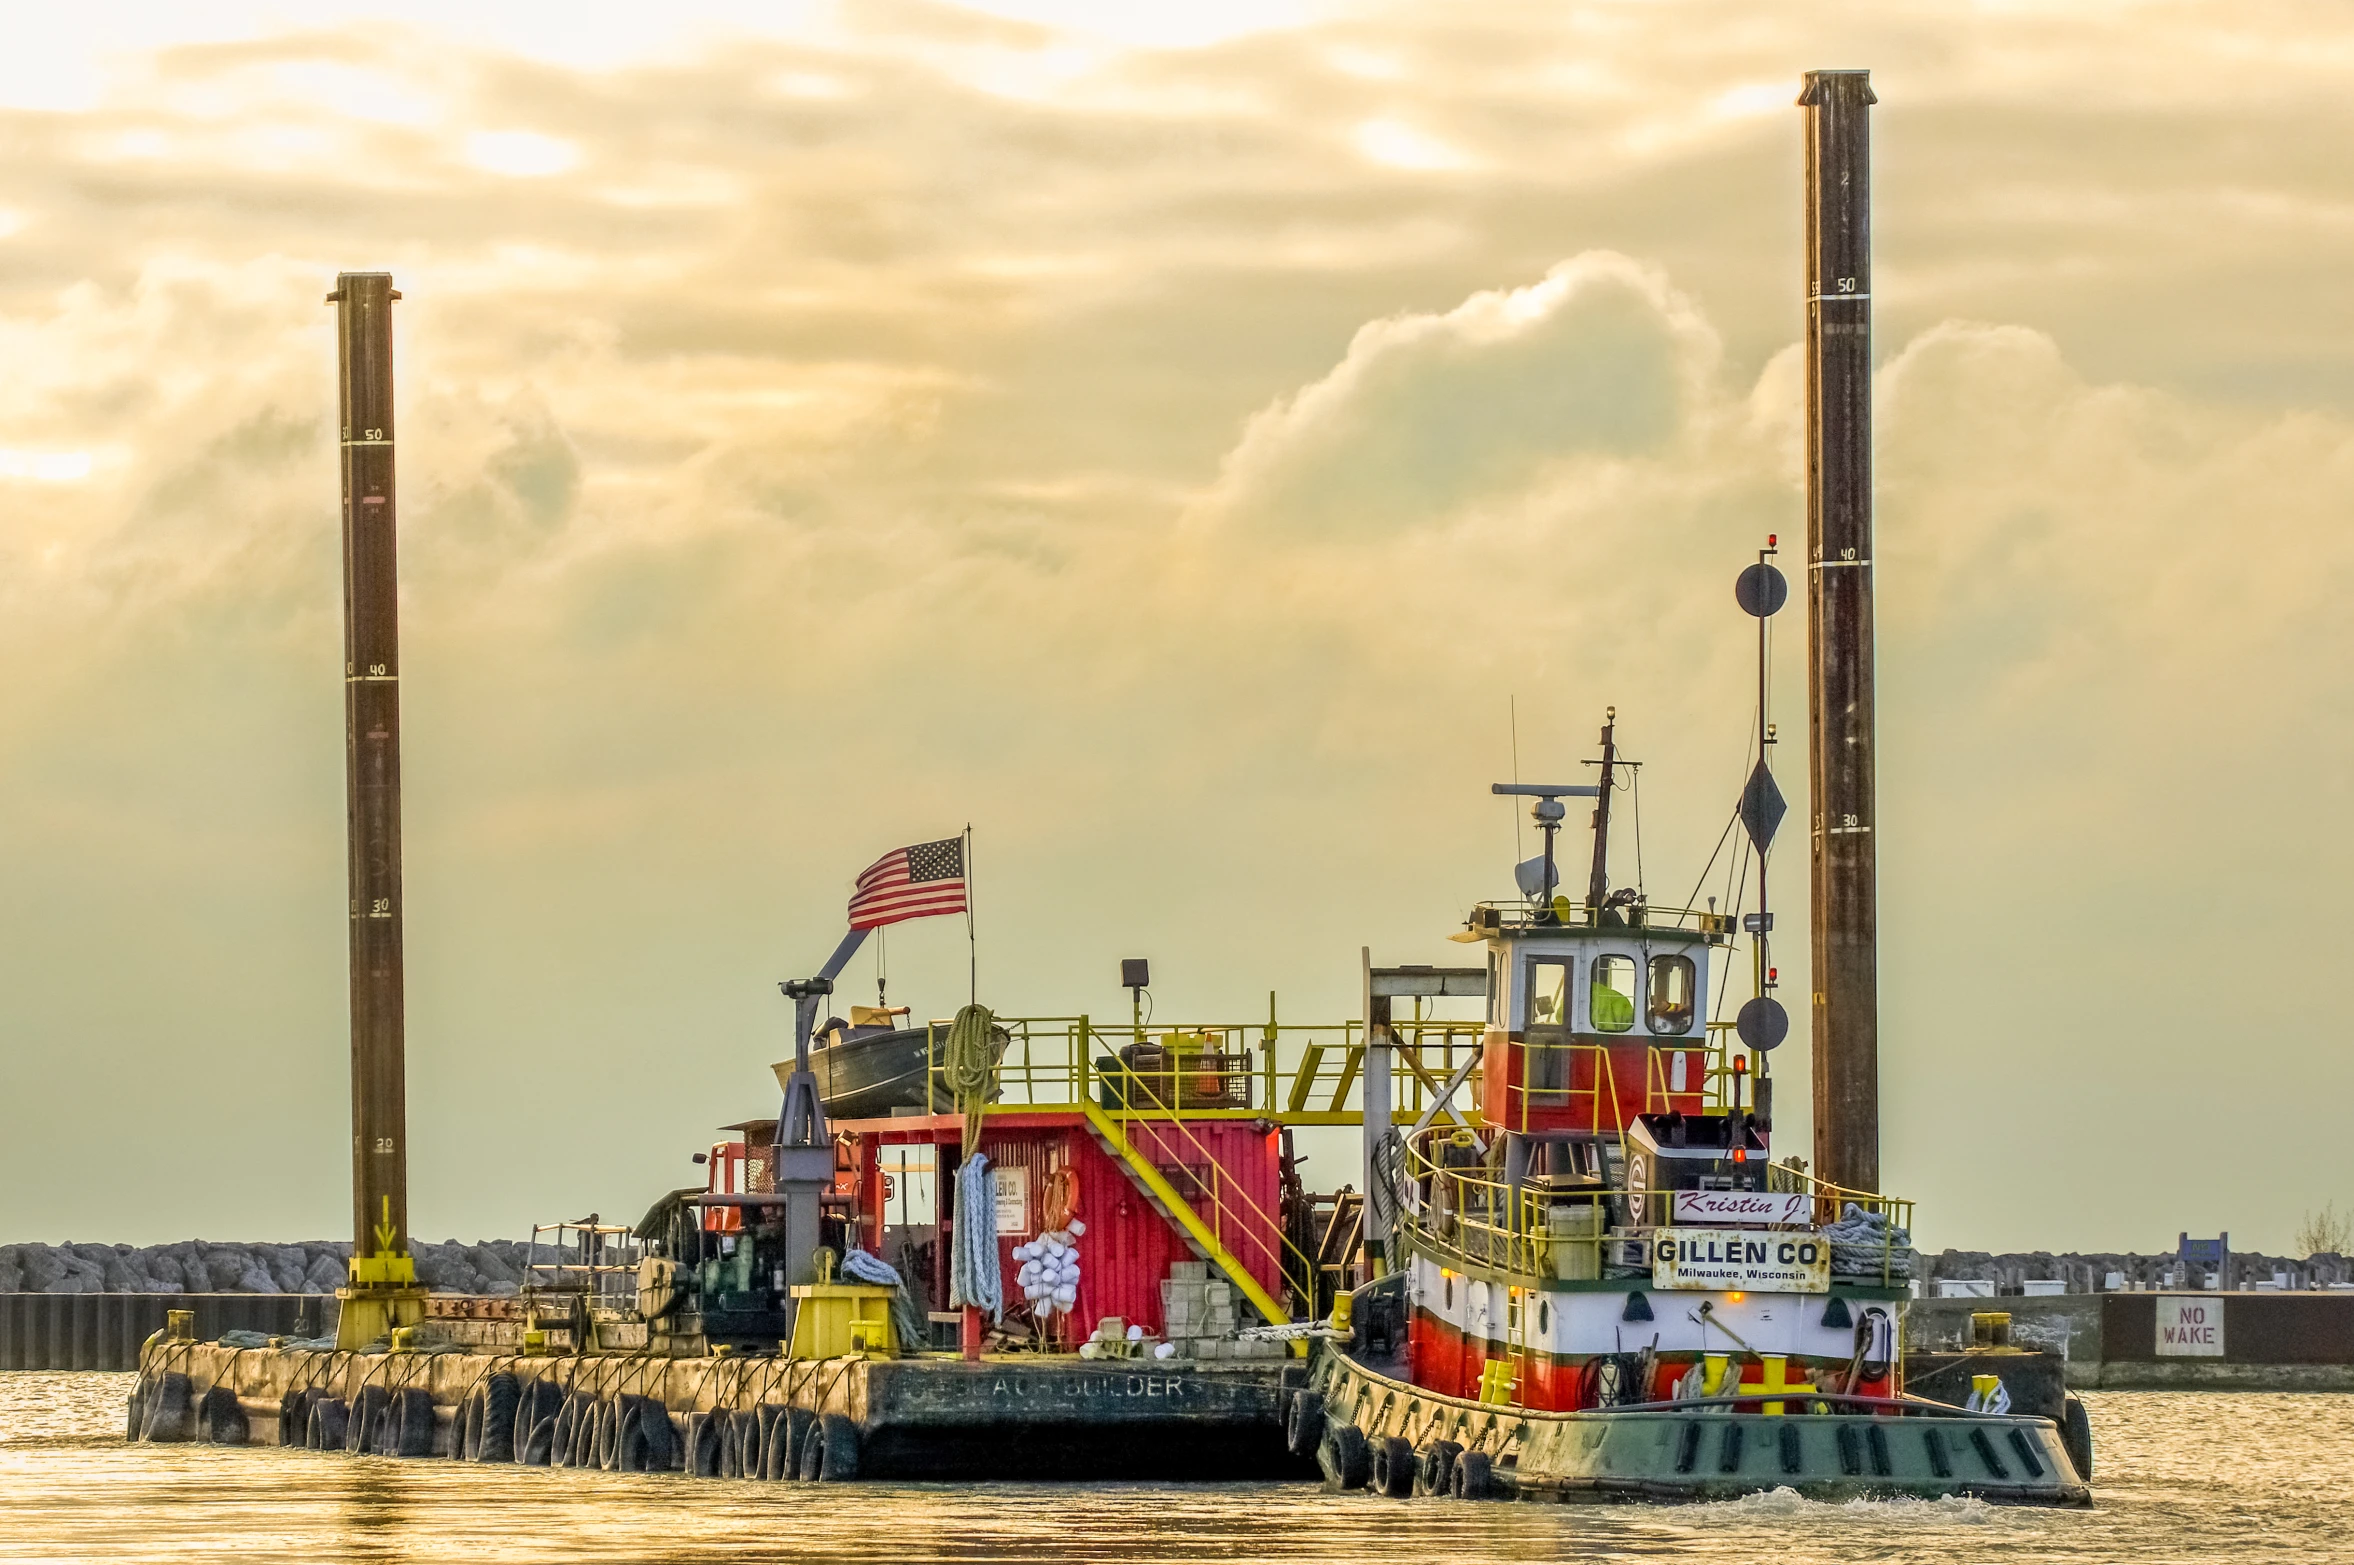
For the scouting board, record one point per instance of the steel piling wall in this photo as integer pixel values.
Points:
(103, 1331)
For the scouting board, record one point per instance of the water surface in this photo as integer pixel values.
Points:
(2182, 1476)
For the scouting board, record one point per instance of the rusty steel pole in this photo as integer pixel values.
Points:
(382, 1274)
(1836, 108)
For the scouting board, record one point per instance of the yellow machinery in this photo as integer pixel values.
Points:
(838, 1319)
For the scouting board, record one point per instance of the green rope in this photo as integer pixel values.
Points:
(975, 1043)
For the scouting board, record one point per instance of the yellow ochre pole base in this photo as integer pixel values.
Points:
(382, 1294)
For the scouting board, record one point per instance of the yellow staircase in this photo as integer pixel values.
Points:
(1111, 1135)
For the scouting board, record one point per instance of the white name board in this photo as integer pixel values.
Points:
(1714, 1208)
(1721, 1258)
(2189, 1326)
(1013, 1201)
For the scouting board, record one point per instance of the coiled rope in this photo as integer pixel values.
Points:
(975, 1044)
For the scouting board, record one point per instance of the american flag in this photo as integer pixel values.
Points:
(915, 882)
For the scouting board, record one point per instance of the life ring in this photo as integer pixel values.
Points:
(1059, 1202)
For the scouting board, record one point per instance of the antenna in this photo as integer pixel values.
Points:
(1513, 708)
(1537, 877)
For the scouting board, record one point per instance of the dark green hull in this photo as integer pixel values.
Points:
(1920, 1450)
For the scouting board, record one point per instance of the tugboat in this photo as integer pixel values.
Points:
(1601, 1284)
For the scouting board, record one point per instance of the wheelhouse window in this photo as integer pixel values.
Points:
(1610, 1000)
(1672, 998)
(1548, 992)
(1545, 1053)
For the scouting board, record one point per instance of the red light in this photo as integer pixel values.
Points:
(1773, 975)
(1772, 541)
(1739, 1065)
(1740, 1154)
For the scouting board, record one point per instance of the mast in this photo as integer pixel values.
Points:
(382, 1291)
(1598, 883)
(1837, 133)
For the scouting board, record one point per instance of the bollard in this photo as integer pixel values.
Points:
(1990, 1329)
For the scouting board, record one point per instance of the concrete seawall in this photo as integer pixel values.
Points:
(2265, 1342)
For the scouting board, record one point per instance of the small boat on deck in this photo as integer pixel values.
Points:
(872, 1071)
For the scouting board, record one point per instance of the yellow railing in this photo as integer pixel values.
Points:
(1460, 1207)
(1290, 1073)
(1550, 1071)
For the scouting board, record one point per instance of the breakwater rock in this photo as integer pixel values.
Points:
(2089, 1271)
(493, 1266)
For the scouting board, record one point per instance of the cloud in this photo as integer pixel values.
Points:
(1092, 443)
(1425, 413)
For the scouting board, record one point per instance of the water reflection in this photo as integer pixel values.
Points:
(377, 1516)
(2183, 1477)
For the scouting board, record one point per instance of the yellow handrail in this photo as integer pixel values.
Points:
(1147, 1175)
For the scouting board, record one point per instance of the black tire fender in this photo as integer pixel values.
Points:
(361, 1420)
(1473, 1478)
(789, 1440)
(837, 1444)
(607, 1434)
(409, 1422)
(642, 1437)
(744, 1425)
(500, 1396)
(565, 1444)
(2076, 1435)
(294, 1417)
(466, 1436)
(1393, 1466)
(539, 1446)
(703, 1442)
(1344, 1456)
(328, 1421)
(1434, 1467)
(771, 1419)
(1303, 1423)
(219, 1418)
(169, 1409)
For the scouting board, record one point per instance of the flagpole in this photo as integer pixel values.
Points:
(971, 950)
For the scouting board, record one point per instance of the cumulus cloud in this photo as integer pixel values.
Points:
(1425, 413)
(856, 430)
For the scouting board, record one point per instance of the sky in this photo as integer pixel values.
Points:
(1200, 446)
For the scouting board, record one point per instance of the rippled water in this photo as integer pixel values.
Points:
(2182, 1477)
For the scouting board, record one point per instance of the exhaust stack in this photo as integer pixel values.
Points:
(1836, 106)
(382, 1290)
